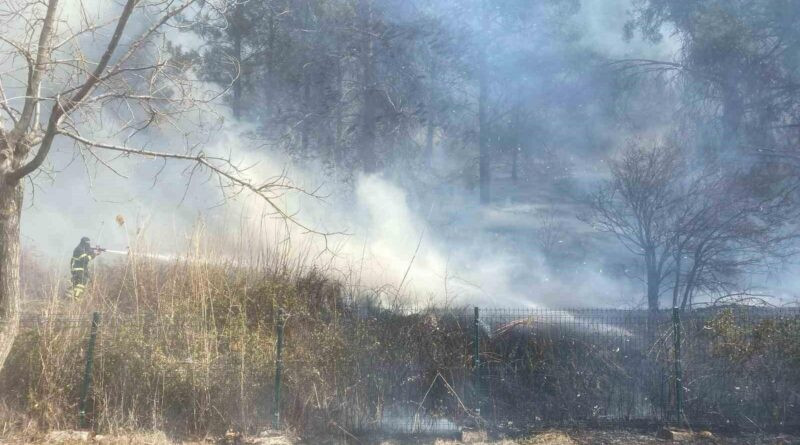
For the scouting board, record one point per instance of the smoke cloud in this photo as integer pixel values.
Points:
(387, 232)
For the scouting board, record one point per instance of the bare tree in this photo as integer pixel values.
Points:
(697, 230)
(550, 233)
(63, 72)
(637, 206)
(728, 224)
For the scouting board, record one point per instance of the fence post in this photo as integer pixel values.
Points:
(276, 406)
(676, 329)
(87, 374)
(476, 361)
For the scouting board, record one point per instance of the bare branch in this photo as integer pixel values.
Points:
(4, 104)
(223, 168)
(118, 67)
(60, 109)
(37, 70)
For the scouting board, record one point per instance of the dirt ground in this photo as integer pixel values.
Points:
(580, 437)
(593, 437)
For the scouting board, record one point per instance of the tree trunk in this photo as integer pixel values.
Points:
(732, 113)
(514, 163)
(368, 118)
(10, 206)
(652, 292)
(338, 155)
(238, 30)
(690, 284)
(268, 67)
(676, 287)
(429, 143)
(237, 83)
(484, 160)
(305, 128)
(429, 114)
(516, 128)
(653, 279)
(308, 68)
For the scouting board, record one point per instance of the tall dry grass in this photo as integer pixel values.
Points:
(187, 345)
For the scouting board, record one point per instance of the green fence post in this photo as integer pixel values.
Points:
(676, 328)
(476, 361)
(276, 406)
(87, 374)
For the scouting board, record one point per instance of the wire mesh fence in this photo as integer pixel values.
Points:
(518, 369)
(573, 366)
(166, 373)
(359, 368)
(741, 367)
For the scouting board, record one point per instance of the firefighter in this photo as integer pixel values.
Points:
(79, 265)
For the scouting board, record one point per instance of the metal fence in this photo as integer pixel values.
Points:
(175, 374)
(521, 369)
(365, 368)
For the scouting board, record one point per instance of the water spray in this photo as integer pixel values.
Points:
(117, 252)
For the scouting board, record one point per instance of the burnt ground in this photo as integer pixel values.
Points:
(615, 437)
(554, 437)
(606, 437)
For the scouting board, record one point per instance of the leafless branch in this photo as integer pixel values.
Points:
(224, 168)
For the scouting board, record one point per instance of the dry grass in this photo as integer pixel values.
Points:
(549, 438)
(187, 346)
(572, 437)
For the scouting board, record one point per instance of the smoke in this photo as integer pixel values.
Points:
(603, 23)
(385, 231)
(385, 244)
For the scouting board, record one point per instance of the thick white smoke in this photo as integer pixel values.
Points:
(385, 244)
(452, 251)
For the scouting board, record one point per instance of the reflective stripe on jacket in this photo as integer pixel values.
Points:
(80, 259)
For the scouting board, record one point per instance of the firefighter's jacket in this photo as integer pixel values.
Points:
(79, 264)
